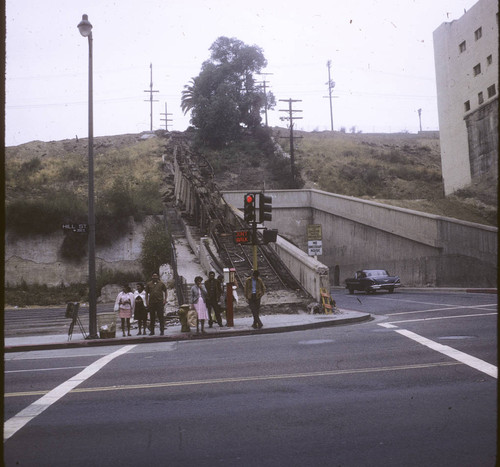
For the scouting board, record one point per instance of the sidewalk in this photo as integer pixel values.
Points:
(242, 327)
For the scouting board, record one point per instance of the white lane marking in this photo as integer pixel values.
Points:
(382, 297)
(446, 308)
(443, 317)
(462, 357)
(14, 424)
(45, 369)
(388, 325)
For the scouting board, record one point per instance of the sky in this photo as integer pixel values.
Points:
(381, 53)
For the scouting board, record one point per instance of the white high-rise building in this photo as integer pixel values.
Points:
(466, 61)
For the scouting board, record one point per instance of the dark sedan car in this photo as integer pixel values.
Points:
(371, 280)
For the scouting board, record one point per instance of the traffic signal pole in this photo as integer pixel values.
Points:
(250, 216)
(254, 246)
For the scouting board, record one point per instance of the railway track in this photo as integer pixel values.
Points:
(212, 215)
(240, 257)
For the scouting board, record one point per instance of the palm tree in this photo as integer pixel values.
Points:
(188, 98)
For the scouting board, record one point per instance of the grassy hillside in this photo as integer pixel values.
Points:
(46, 183)
(399, 169)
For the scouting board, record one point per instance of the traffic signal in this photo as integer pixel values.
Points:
(249, 209)
(265, 208)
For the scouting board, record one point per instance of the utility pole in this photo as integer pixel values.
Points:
(263, 83)
(151, 97)
(291, 118)
(166, 119)
(331, 84)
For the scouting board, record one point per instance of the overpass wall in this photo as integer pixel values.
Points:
(423, 249)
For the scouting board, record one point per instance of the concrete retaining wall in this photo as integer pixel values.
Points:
(423, 249)
(37, 259)
(311, 273)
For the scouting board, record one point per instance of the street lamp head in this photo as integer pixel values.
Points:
(85, 27)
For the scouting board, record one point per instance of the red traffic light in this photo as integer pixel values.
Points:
(249, 209)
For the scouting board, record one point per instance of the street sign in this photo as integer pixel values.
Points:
(77, 228)
(315, 247)
(315, 251)
(315, 243)
(314, 232)
(242, 237)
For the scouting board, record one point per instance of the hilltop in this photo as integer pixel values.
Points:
(400, 169)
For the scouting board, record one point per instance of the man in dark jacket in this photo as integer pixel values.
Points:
(156, 298)
(214, 292)
(254, 290)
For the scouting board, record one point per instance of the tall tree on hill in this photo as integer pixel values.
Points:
(225, 98)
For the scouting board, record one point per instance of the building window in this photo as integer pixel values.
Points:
(462, 47)
(480, 98)
(467, 106)
(489, 59)
(477, 69)
(492, 90)
(478, 33)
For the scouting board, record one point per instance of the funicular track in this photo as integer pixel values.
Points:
(214, 218)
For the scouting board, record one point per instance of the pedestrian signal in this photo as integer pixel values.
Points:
(269, 235)
(249, 209)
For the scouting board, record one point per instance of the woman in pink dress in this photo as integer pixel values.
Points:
(125, 303)
(198, 300)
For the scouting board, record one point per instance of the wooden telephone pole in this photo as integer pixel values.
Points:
(166, 119)
(265, 93)
(151, 97)
(331, 85)
(291, 118)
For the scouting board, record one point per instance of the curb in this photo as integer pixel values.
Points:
(185, 336)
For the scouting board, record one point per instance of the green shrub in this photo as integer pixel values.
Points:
(42, 216)
(72, 172)
(156, 249)
(74, 246)
(107, 276)
(31, 166)
(42, 295)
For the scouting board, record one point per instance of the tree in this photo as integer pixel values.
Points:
(224, 98)
(156, 249)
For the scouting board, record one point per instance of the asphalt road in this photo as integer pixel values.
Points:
(415, 386)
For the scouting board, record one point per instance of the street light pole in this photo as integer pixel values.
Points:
(85, 29)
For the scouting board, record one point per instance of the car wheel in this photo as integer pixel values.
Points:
(391, 290)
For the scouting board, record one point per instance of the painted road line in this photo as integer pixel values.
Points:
(462, 357)
(45, 369)
(436, 318)
(14, 424)
(446, 308)
(244, 379)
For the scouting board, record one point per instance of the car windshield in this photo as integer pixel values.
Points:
(376, 272)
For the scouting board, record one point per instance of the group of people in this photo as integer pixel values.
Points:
(205, 297)
(211, 295)
(150, 299)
